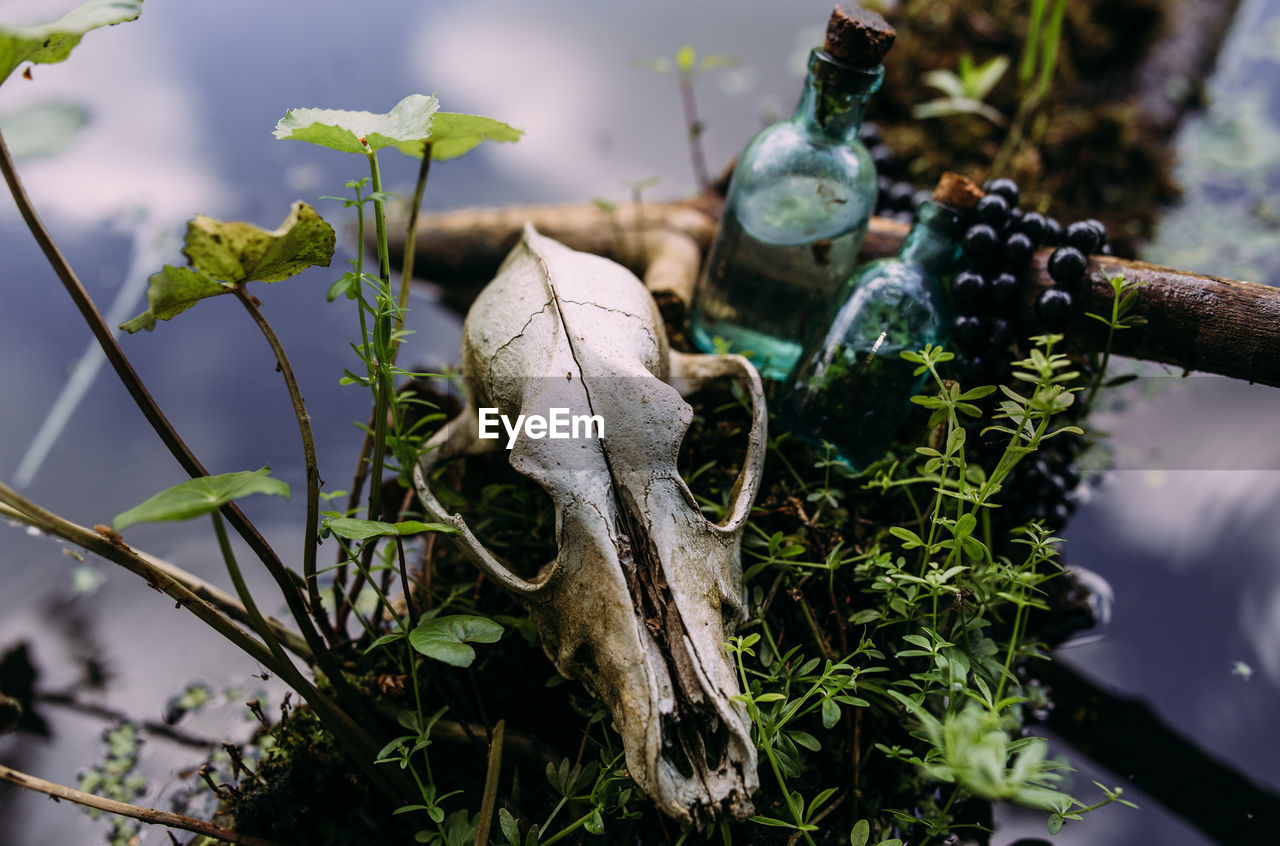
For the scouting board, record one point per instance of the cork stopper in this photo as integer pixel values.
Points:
(858, 36)
(957, 192)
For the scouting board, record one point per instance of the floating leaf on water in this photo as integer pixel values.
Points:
(43, 129)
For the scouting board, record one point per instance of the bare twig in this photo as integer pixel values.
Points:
(147, 815)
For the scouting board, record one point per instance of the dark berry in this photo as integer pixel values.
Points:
(1053, 306)
(882, 156)
(1006, 188)
(884, 184)
(992, 209)
(1017, 250)
(980, 241)
(1034, 225)
(899, 198)
(1099, 227)
(968, 288)
(968, 330)
(919, 198)
(869, 134)
(1066, 266)
(1003, 288)
(1052, 232)
(1000, 333)
(1083, 237)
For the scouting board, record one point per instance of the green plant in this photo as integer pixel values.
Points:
(966, 90)
(1036, 68)
(1124, 298)
(687, 67)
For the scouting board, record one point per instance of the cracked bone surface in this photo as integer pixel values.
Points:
(644, 590)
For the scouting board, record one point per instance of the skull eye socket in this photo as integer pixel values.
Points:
(512, 513)
(715, 444)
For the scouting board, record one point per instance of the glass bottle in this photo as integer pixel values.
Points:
(853, 388)
(797, 208)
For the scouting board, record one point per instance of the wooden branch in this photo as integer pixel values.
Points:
(1194, 322)
(215, 596)
(147, 815)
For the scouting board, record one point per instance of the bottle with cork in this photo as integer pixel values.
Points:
(797, 208)
(853, 389)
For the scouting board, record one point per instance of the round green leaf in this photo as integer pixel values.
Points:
(52, 42)
(453, 135)
(445, 638)
(405, 127)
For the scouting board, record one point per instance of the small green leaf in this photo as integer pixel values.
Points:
(860, 833)
(172, 291)
(830, 713)
(200, 496)
(234, 251)
(226, 254)
(453, 135)
(803, 738)
(353, 529)
(405, 127)
(594, 823)
(686, 58)
(445, 638)
(52, 42)
(510, 829)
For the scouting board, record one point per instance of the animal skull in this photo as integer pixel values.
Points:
(644, 590)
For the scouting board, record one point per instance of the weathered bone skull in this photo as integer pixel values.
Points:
(644, 590)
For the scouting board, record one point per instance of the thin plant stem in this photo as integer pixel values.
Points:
(357, 483)
(411, 235)
(382, 385)
(358, 743)
(694, 125)
(311, 530)
(151, 816)
(490, 798)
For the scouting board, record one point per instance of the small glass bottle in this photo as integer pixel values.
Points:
(853, 388)
(797, 208)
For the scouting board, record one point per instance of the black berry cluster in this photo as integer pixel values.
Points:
(992, 274)
(989, 282)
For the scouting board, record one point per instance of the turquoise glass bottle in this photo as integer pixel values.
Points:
(797, 208)
(853, 388)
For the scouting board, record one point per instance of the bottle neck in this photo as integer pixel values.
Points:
(834, 97)
(933, 244)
